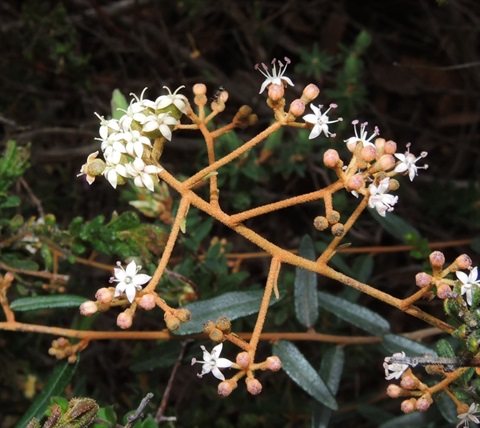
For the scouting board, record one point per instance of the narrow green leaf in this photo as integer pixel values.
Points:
(416, 419)
(303, 374)
(56, 384)
(357, 315)
(393, 343)
(232, 305)
(47, 302)
(395, 225)
(447, 407)
(444, 349)
(306, 303)
(118, 102)
(331, 370)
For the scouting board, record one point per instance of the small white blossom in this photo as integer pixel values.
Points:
(134, 143)
(178, 100)
(468, 283)
(466, 418)
(277, 77)
(212, 362)
(113, 171)
(129, 280)
(140, 172)
(394, 370)
(107, 127)
(408, 161)
(162, 122)
(320, 121)
(380, 200)
(135, 111)
(113, 147)
(363, 137)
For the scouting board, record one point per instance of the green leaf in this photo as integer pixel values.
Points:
(56, 384)
(416, 419)
(47, 302)
(393, 343)
(331, 370)
(357, 315)
(444, 349)
(232, 305)
(306, 303)
(161, 356)
(118, 101)
(395, 225)
(447, 407)
(303, 374)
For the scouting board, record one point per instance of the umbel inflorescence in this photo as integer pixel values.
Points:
(131, 149)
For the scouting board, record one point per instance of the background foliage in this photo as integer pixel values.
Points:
(410, 67)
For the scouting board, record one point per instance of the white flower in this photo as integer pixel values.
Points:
(129, 280)
(212, 362)
(134, 143)
(178, 100)
(112, 147)
(277, 77)
(135, 111)
(466, 418)
(394, 370)
(407, 163)
(161, 121)
(113, 171)
(107, 127)
(320, 121)
(380, 200)
(141, 173)
(468, 282)
(363, 137)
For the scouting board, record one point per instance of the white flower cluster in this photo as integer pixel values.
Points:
(126, 143)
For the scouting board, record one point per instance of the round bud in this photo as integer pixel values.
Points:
(310, 92)
(444, 291)
(183, 315)
(199, 89)
(95, 167)
(224, 324)
(216, 335)
(276, 92)
(224, 388)
(333, 217)
(409, 382)
(88, 308)
(104, 295)
(331, 158)
(245, 111)
(208, 326)
(172, 322)
(125, 320)
(422, 279)
(147, 302)
(355, 182)
(424, 402)
(368, 153)
(338, 230)
(243, 360)
(394, 391)
(320, 223)
(390, 147)
(393, 185)
(437, 259)
(273, 363)
(254, 387)
(409, 406)
(386, 162)
(379, 144)
(463, 261)
(297, 108)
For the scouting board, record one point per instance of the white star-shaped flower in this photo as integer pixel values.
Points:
(212, 362)
(162, 122)
(468, 283)
(408, 161)
(320, 121)
(140, 172)
(134, 143)
(362, 136)
(394, 370)
(178, 100)
(129, 280)
(277, 77)
(113, 171)
(107, 127)
(466, 418)
(380, 200)
(112, 147)
(135, 111)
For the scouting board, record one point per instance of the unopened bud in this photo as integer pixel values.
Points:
(199, 89)
(310, 92)
(463, 261)
(437, 259)
(390, 147)
(208, 327)
(394, 391)
(444, 291)
(379, 144)
(184, 315)
(424, 402)
(393, 185)
(368, 153)
(320, 223)
(422, 279)
(333, 217)
(386, 162)
(88, 308)
(226, 387)
(216, 335)
(273, 363)
(243, 360)
(297, 108)
(409, 406)
(276, 92)
(409, 382)
(224, 324)
(104, 295)
(331, 158)
(125, 320)
(171, 321)
(355, 182)
(147, 302)
(338, 230)
(254, 387)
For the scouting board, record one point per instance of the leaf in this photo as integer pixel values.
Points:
(161, 356)
(395, 225)
(306, 303)
(118, 102)
(447, 407)
(331, 370)
(444, 349)
(232, 305)
(393, 343)
(56, 384)
(303, 374)
(357, 315)
(47, 302)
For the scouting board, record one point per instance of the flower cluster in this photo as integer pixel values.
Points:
(126, 143)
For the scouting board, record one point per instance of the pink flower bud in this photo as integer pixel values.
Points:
(147, 302)
(409, 406)
(311, 92)
(355, 182)
(125, 320)
(224, 388)
(104, 295)
(379, 144)
(444, 291)
(276, 92)
(386, 162)
(390, 147)
(297, 108)
(273, 363)
(463, 261)
(331, 158)
(422, 279)
(199, 89)
(409, 382)
(437, 259)
(424, 402)
(88, 308)
(368, 153)
(243, 360)
(254, 387)
(394, 391)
